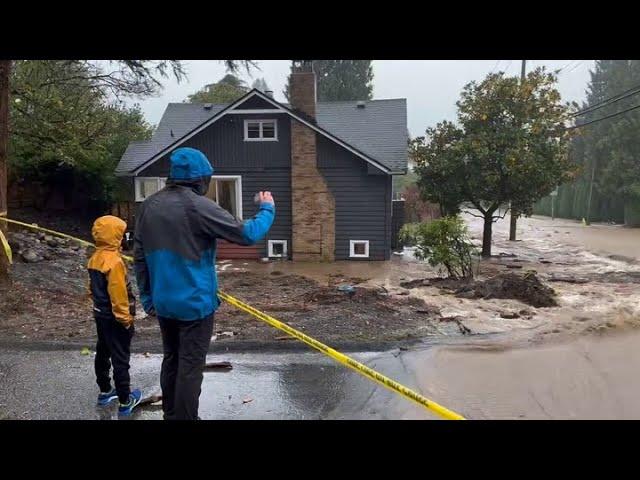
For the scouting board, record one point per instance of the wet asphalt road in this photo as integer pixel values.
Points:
(60, 385)
(587, 378)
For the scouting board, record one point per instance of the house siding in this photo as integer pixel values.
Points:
(255, 103)
(363, 201)
(262, 166)
(362, 194)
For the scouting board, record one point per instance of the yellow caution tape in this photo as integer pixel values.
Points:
(344, 359)
(33, 226)
(5, 243)
(330, 352)
(7, 248)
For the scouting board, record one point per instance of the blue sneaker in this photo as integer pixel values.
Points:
(105, 398)
(125, 409)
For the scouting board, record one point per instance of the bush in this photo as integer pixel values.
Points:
(443, 242)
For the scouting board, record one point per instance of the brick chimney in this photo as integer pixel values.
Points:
(313, 205)
(302, 86)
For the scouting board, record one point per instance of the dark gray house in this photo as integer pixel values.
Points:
(328, 164)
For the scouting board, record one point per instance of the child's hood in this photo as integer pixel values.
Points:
(108, 231)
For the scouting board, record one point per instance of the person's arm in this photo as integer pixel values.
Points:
(217, 222)
(117, 288)
(141, 269)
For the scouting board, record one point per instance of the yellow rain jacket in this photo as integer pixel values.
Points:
(108, 284)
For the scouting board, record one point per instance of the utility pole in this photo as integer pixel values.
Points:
(593, 174)
(514, 214)
(5, 69)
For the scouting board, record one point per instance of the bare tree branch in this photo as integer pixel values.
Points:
(496, 217)
(473, 214)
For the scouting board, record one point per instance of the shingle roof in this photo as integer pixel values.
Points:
(379, 130)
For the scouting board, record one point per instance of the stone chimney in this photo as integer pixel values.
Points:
(302, 88)
(313, 205)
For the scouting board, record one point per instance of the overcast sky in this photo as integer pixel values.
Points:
(431, 87)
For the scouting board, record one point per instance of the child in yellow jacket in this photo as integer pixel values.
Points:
(114, 311)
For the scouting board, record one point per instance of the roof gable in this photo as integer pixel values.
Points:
(377, 133)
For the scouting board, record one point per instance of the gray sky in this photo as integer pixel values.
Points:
(431, 87)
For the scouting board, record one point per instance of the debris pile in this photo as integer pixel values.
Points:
(527, 288)
(34, 247)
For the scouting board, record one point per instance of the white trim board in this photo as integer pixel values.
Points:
(240, 101)
(271, 243)
(266, 111)
(352, 251)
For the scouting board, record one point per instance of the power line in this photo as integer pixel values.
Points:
(604, 118)
(608, 101)
(561, 69)
(576, 66)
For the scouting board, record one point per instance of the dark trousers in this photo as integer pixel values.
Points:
(113, 347)
(185, 346)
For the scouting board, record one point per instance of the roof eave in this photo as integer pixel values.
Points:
(285, 109)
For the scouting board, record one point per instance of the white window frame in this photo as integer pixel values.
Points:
(261, 122)
(138, 180)
(270, 245)
(238, 179)
(352, 250)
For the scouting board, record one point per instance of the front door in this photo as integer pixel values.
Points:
(226, 191)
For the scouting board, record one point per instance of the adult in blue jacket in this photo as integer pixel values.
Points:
(174, 250)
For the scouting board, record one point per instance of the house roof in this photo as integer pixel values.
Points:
(378, 131)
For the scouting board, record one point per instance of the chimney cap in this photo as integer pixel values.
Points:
(361, 104)
(269, 93)
(302, 65)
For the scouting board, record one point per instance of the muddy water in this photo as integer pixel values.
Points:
(586, 378)
(610, 298)
(606, 258)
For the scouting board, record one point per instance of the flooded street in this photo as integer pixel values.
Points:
(594, 270)
(587, 378)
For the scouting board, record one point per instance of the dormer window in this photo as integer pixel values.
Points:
(260, 130)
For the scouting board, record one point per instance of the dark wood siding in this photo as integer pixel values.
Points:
(363, 201)
(362, 193)
(262, 166)
(255, 103)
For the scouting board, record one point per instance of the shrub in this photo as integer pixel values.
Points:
(443, 242)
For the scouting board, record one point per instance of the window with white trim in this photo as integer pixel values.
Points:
(359, 248)
(226, 191)
(147, 186)
(260, 130)
(277, 248)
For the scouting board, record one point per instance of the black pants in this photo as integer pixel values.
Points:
(185, 346)
(113, 347)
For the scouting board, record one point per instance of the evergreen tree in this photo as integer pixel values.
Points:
(342, 80)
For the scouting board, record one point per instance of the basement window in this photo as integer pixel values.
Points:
(260, 130)
(359, 248)
(277, 248)
(147, 186)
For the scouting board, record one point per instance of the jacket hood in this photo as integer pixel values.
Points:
(189, 164)
(108, 231)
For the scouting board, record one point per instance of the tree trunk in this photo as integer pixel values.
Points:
(512, 226)
(486, 234)
(5, 68)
